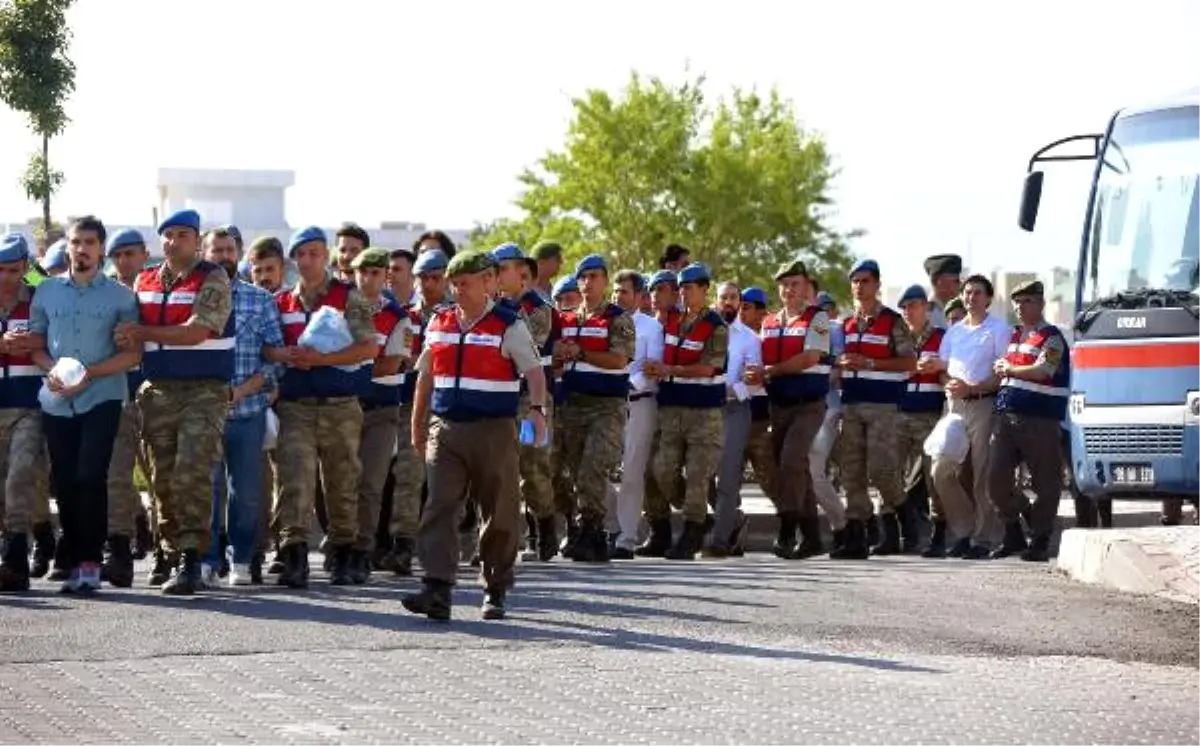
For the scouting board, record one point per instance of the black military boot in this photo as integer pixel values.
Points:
(60, 567)
(689, 543)
(433, 601)
(143, 537)
(910, 519)
(186, 580)
(277, 560)
(889, 542)
(403, 549)
(960, 548)
(811, 544)
(568, 545)
(785, 542)
(44, 548)
(360, 567)
(839, 538)
(224, 568)
(295, 566)
(855, 547)
(14, 565)
(547, 539)
(380, 558)
(659, 540)
(592, 544)
(493, 604)
(872, 530)
(1014, 541)
(937, 542)
(256, 568)
(1038, 551)
(160, 570)
(117, 569)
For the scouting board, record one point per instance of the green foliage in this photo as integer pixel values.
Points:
(39, 179)
(741, 184)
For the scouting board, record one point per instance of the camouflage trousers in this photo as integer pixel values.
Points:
(563, 491)
(408, 472)
(689, 440)
(537, 488)
(912, 430)
(376, 446)
(22, 461)
(124, 500)
(322, 434)
(268, 525)
(867, 454)
(183, 430)
(593, 437)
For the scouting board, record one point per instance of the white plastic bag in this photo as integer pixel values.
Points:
(69, 371)
(949, 439)
(327, 332)
(271, 436)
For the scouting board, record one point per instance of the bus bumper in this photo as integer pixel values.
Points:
(1126, 453)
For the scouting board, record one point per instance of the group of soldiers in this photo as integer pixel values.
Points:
(464, 388)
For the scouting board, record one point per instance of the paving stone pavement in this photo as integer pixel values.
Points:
(755, 650)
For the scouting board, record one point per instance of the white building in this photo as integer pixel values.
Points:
(254, 201)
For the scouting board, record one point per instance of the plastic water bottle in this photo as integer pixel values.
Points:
(528, 432)
(69, 370)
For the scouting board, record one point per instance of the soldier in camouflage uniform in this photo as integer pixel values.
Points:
(878, 360)
(320, 418)
(566, 297)
(514, 279)
(597, 345)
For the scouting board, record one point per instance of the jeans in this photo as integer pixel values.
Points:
(80, 450)
(241, 473)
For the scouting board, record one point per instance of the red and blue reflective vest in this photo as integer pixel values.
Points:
(1048, 395)
(22, 378)
(688, 349)
(530, 303)
(326, 381)
(591, 332)
(782, 343)
(874, 342)
(212, 359)
(385, 391)
(472, 380)
(923, 392)
(416, 324)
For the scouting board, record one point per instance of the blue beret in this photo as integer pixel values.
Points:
(661, 277)
(865, 265)
(756, 295)
(13, 248)
(590, 262)
(567, 284)
(507, 252)
(694, 272)
(234, 233)
(433, 260)
(55, 256)
(181, 219)
(824, 299)
(911, 293)
(306, 235)
(123, 238)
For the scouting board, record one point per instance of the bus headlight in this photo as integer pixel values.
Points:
(1193, 406)
(1076, 404)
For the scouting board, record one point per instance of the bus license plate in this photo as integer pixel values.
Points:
(1133, 475)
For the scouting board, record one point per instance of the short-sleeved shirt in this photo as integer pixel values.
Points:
(78, 321)
(214, 302)
(971, 351)
(539, 322)
(359, 312)
(516, 345)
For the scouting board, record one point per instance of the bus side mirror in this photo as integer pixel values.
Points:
(1031, 197)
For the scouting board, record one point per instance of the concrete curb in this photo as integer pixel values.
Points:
(1160, 561)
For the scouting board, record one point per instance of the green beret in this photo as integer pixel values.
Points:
(1029, 287)
(372, 258)
(943, 264)
(469, 263)
(547, 250)
(954, 304)
(792, 269)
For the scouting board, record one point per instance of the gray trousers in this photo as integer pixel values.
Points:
(735, 417)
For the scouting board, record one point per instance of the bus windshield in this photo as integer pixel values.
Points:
(1144, 225)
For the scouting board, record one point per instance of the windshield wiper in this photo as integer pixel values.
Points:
(1132, 300)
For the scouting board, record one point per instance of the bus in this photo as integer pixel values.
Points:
(1134, 408)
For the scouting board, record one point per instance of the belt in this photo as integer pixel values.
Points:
(641, 395)
(320, 400)
(371, 407)
(977, 397)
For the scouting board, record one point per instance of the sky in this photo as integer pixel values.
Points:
(428, 111)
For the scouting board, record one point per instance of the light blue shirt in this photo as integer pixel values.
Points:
(837, 348)
(78, 321)
(745, 349)
(648, 345)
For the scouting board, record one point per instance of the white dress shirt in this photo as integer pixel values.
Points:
(970, 351)
(745, 349)
(648, 346)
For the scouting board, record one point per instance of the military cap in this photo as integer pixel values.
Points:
(311, 234)
(180, 219)
(694, 272)
(943, 264)
(55, 256)
(265, 241)
(13, 248)
(1028, 288)
(372, 258)
(433, 260)
(954, 304)
(824, 299)
(547, 250)
(469, 263)
(755, 295)
(662, 277)
(865, 265)
(794, 268)
(911, 293)
(567, 284)
(590, 262)
(122, 239)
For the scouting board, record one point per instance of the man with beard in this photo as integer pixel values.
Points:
(256, 322)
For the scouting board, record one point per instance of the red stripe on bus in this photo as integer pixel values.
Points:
(1137, 356)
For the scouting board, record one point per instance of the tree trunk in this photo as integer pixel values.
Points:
(46, 180)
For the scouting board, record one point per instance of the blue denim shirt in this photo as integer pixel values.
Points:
(78, 321)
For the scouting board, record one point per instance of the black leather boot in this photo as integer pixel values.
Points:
(810, 544)
(256, 568)
(14, 566)
(872, 530)
(889, 542)
(785, 542)
(547, 540)
(568, 545)
(295, 566)
(592, 544)
(44, 549)
(160, 569)
(937, 542)
(856, 547)
(186, 580)
(433, 601)
(659, 540)
(493, 604)
(117, 569)
(1014, 541)
(401, 562)
(143, 537)
(1038, 551)
(360, 567)
(910, 519)
(689, 543)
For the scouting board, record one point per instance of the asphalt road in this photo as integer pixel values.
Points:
(753, 650)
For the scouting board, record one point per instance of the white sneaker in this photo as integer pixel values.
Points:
(239, 574)
(208, 576)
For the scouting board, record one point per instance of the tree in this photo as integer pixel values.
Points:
(36, 76)
(741, 184)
